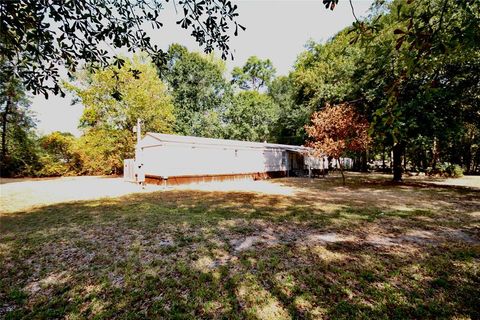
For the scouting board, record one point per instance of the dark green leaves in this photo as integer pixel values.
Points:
(256, 74)
(34, 33)
(119, 62)
(330, 4)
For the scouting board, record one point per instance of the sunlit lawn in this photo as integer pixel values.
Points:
(371, 249)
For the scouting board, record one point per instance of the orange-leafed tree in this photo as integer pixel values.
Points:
(337, 129)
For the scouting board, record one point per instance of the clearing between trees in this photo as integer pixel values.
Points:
(308, 249)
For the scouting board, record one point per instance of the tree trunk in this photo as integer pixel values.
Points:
(475, 167)
(364, 161)
(434, 154)
(469, 154)
(8, 107)
(340, 165)
(467, 158)
(475, 161)
(383, 160)
(397, 161)
(424, 161)
(391, 161)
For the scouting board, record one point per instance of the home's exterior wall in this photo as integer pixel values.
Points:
(176, 160)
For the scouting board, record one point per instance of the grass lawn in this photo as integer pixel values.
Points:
(371, 249)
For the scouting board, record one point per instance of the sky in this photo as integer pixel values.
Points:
(276, 29)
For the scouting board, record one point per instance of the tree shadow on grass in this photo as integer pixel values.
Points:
(367, 284)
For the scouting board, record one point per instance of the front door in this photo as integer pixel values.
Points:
(296, 162)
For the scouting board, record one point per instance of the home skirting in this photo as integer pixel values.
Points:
(187, 179)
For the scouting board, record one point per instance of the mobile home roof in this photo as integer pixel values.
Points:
(161, 137)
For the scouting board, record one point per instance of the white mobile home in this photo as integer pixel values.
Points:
(172, 159)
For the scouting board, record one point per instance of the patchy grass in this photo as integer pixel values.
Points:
(371, 249)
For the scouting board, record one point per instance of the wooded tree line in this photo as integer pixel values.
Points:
(191, 95)
(411, 70)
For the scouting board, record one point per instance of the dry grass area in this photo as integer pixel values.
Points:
(25, 194)
(310, 249)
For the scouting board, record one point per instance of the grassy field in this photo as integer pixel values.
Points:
(371, 249)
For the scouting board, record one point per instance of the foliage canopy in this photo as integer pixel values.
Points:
(256, 74)
(108, 122)
(200, 91)
(39, 36)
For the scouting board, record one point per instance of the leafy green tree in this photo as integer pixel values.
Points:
(325, 73)
(256, 74)
(252, 117)
(292, 116)
(201, 94)
(414, 75)
(59, 155)
(102, 150)
(425, 60)
(18, 154)
(37, 36)
(143, 96)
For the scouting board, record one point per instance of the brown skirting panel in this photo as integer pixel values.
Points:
(151, 179)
